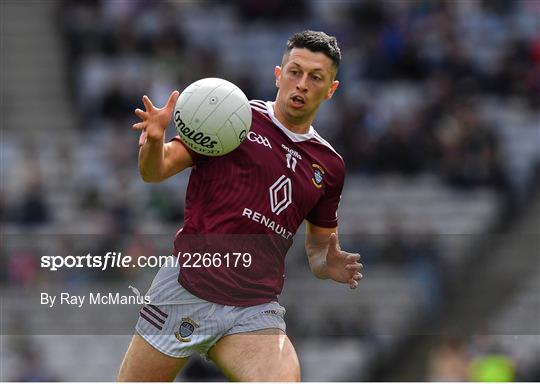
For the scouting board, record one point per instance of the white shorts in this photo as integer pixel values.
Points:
(178, 323)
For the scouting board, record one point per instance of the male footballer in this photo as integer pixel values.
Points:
(282, 174)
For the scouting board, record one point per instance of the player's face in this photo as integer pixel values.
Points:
(305, 81)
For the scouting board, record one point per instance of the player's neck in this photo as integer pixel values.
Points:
(298, 128)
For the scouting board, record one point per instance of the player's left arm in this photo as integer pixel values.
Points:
(327, 260)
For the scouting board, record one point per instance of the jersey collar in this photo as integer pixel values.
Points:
(296, 137)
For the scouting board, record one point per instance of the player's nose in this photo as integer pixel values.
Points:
(301, 85)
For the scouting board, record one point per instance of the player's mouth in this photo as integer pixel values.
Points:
(298, 101)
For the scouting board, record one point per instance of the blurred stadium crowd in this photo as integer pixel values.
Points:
(436, 118)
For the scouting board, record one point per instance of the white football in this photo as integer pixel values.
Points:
(212, 116)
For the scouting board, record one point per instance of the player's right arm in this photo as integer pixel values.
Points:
(159, 160)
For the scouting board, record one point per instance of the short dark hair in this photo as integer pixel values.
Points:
(316, 41)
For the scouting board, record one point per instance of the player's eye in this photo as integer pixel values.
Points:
(316, 77)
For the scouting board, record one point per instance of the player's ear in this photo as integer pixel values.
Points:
(333, 87)
(277, 72)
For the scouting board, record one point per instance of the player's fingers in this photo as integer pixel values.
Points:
(139, 126)
(353, 284)
(356, 276)
(147, 104)
(354, 267)
(353, 257)
(172, 100)
(141, 114)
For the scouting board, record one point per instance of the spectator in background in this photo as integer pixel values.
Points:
(532, 78)
(33, 209)
(492, 368)
(428, 268)
(355, 139)
(470, 149)
(448, 361)
(401, 148)
(23, 267)
(270, 10)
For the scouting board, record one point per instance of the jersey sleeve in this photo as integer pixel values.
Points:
(196, 157)
(324, 214)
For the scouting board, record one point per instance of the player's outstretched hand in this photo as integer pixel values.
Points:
(154, 121)
(341, 266)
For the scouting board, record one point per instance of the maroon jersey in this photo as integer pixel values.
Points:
(253, 200)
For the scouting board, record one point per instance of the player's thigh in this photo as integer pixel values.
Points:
(143, 362)
(265, 355)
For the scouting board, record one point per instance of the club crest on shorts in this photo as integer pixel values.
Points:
(186, 329)
(318, 173)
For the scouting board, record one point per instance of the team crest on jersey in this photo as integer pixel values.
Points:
(318, 175)
(186, 329)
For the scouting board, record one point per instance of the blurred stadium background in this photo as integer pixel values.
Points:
(437, 118)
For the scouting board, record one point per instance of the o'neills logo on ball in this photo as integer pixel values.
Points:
(197, 137)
